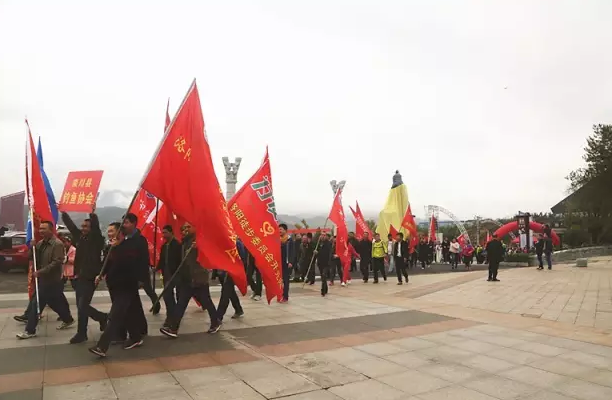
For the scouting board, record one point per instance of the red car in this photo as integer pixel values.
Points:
(13, 252)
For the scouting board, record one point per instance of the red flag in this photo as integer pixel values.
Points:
(145, 208)
(336, 215)
(432, 228)
(183, 177)
(361, 226)
(37, 199)
(409, 224)
(35, 189)
(461, 240)
(392, 231)
(253, 213)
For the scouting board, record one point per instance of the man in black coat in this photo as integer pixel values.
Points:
(495, 254)
(89, 243)
(324, 260)
(128, 255)
(169, 259)
(365, 254)
(400, 254)
(539, 248)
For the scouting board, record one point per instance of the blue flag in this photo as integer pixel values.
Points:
(48, 189)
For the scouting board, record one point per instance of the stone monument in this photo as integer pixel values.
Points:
(231, 176)
(337, 185)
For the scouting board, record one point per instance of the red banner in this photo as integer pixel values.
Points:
(183, 177)
(336, 215)
(409, 224)
(80, 191)
(361, 226)
(253, 213)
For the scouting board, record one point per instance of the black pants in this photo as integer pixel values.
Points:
(126, 313)
(286, 280)
(148, 288)
(336, 267)
(400, 268)
(84, 290)
(493, 267)
(202, 295)
(378, 265)
(52, 295)
(364, 266)
(228, 293)
(324, 271)
(454, 259)
(353, 265)
(170, 295)
(255, 284)
(309, 275)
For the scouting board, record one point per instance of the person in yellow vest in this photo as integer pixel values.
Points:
(379, 251)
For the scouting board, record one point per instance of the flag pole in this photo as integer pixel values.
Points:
(155, 242)
(167, 284)
(31, 213)
(144, 175)
(34, 263)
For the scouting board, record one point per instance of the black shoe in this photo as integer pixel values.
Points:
(495, 280)
(20, 318)
(549, 268)
(97, 351)
(489, 280)
(214, 329)
(76, 339)
(131, 344)
(238, 315)
(169, 332)
(375, 281)
(399, 283)
(59, 319)
(156, 308)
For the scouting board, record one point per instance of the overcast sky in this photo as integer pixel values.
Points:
(483, 106)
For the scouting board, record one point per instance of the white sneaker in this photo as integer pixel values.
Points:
(257, 298)
(26, 335)
(343, 284)
(348, 282)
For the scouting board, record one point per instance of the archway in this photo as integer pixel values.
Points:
(496, 223)
(436, 210)
(534, 226)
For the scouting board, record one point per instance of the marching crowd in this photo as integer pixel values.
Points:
(85, 257)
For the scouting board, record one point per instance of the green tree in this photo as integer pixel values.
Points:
(371, 224)
(592, 184)
(305, 224)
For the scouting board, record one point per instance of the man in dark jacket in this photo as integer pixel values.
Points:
(324, 261)
(423, 253)
(355, 243)
(287, 256)
(89, 244)
(193, 281)
(495, 254)
(228, 290)
(128, 254)
(548, 248)
(169, 259)
(49, 266)
(365, 254)
(400, 254)
(251, 268)
(539, 248)
(307, 264)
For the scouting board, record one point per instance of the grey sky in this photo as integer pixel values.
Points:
(483, 106)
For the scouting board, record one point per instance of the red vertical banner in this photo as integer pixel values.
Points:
(183, 177)
(409, 224)
(252, 211)
(336, 215)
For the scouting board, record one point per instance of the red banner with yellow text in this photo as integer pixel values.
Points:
(253, 213)
(80, 191)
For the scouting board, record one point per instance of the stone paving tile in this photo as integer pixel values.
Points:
(345, 355)
(584, 390)
(414, 382)
(224, 390)
(412, 343)
(515, 356)
(146, 386)
(367, 390)
(546, 395)
(320, 370)
(455, 392)
(445, 353)
(409, 359)
(314, 395)
(535, 377)
(541, 349)
(375, 367)
(590, 360)
(501, 388)
(563, 367)
(30, 394)
(95, 390)
(487, 364)
(380, 349)
(454, 373)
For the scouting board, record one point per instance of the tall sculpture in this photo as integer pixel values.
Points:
(337, 185)
(231, 176)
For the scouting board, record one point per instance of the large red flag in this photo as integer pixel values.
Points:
(392, 231)
(253, 213)
(336, 215)
(358, 228)
(183, 177)
(35, 189)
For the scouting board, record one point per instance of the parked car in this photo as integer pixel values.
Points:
(13, 252)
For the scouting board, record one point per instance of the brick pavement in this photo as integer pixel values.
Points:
(448, 336)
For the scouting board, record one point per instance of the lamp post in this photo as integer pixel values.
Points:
(231, 175)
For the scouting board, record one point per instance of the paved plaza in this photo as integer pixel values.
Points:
(536, 335)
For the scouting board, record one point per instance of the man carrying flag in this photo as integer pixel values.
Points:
(48, 253)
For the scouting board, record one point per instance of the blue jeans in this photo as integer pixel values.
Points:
(549, 259)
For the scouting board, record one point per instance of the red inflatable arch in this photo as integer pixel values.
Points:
(534, 226)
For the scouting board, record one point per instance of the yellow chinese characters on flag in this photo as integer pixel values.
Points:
(252, 212)
(80, 191)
